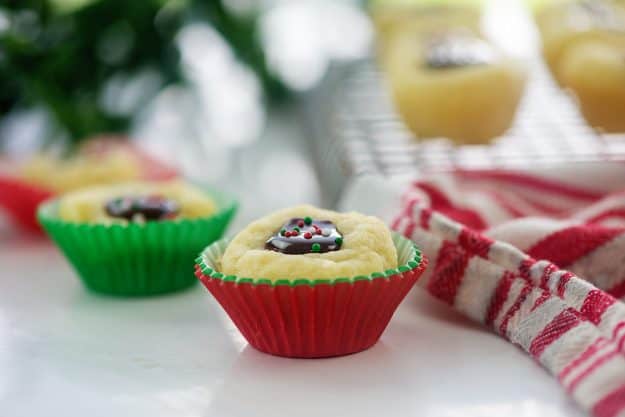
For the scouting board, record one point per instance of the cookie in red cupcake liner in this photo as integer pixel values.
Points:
(312, 318)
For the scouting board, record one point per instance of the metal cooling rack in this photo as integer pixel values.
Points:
(359, 132)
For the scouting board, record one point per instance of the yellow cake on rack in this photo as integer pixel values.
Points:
(595, 73)
(390, 20)
(453, 84)
(564, 24)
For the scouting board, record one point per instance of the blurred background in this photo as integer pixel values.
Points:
(239, 92)
(196, 83)
(167, 70)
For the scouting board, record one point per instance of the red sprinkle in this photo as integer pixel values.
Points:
(287, 234)
(300, 223)
(294, 233)
(308, 235)
(318, 231)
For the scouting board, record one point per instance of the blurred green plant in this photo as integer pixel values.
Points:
(61, 53)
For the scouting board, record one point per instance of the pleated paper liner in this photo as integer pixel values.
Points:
(315, 318)
(136, 259)
(20, 200)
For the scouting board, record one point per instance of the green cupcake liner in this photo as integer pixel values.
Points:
(136, 259)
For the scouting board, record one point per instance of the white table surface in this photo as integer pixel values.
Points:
(67, 352)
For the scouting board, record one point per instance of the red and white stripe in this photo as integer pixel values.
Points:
(505, 270)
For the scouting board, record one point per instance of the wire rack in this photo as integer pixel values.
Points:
(364, 134)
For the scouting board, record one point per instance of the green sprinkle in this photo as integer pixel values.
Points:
(307, 220)
(338, 241)
(296, 229)
(282, 232)
(315, 247)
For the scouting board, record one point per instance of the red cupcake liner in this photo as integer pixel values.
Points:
(20, 201)
(313, 319)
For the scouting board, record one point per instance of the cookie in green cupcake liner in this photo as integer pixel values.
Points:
(136, 259)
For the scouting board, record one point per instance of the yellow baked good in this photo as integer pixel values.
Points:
(595, 72)
(453, 84)
(347, 245)
(564, 24)
(61, 175)
(397, 19)
(135, 202)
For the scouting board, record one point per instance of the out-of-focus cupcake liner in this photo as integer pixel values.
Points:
(136, 259)
(312, 318)
(20, 200)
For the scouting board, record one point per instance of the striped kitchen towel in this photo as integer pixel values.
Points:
(541, 262)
